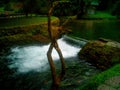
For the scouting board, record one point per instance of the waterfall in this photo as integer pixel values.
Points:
(33, 58)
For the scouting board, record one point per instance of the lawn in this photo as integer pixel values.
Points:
(100, 15)
(23, 21)
(1, 9)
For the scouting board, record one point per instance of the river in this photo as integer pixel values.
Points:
(94, 29)
(27, 67)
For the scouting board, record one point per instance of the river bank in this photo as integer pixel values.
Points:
(36, 80)
(24, 30)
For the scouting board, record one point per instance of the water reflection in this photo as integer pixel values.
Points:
(94, 29)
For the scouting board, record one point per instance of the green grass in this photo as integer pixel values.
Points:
(97, 80)
(100, 15)
(1, 9)
(23, 21)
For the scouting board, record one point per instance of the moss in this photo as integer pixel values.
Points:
(100, 54)
(14, 39)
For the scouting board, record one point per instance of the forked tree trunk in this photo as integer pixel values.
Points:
(56, 78)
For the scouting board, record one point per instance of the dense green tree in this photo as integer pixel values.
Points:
(8, 7)
(76, 5)
(106, 4)
(116, 9)
(112, 6)
(63, 9)
(80, 6)
(4, 1)
(28, 6)
(35, 6)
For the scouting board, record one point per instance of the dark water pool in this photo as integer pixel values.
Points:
(94, 29)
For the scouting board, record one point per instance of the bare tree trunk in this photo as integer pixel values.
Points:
(56, 79)
(61, 59)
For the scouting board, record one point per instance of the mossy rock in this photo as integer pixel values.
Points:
(102, 53)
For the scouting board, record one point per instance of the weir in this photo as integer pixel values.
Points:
(30, 58)
(31, 71)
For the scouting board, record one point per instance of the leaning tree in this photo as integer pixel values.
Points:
(54, 44)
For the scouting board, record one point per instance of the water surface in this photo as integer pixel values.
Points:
(94, 29)
(27, 67)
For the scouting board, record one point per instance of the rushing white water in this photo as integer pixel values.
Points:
(30, 58)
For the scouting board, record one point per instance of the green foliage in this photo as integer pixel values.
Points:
(112, 6)
(99, 15)
(35, 6)
(63, 9)
(116, 8)
(1, 9)
(17, 39)
(5, 1)
(8, 7)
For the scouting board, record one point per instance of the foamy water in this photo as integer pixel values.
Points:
(30, 58)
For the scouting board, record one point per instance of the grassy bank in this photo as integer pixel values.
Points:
(99, 79)
(23, 21)
(99, 15)
(24, 30)
(33, 31)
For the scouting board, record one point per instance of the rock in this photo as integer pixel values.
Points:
(102, 53)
